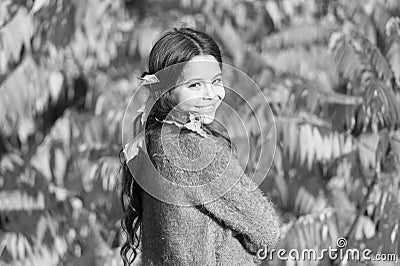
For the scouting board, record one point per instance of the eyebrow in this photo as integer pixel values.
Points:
(196, 79)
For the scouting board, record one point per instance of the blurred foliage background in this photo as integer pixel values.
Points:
(330, 70)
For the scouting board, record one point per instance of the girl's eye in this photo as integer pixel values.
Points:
(217, 81)
(194, 85)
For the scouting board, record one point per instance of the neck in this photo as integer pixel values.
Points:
(179, 116)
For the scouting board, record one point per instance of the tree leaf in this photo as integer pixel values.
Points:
(376, 59)
(37, 5)
(349, 61)
(298, 35)
(293, 140)
(367, 147)
(24, 94)
(16, 34)
(392, 47)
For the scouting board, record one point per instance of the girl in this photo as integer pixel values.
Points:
(236, 224)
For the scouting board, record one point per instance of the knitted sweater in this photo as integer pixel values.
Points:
(225, 231)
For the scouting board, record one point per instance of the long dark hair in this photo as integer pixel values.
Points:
(174, 46)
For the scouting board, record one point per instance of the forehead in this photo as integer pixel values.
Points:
(201, 67)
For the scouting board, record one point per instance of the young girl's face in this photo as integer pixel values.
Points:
(201, 90)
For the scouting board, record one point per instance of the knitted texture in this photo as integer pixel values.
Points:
(224, 231)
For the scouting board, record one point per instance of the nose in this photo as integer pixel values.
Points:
(209, 92)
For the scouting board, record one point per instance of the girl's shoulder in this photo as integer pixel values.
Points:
(187, 158)
(180, 143)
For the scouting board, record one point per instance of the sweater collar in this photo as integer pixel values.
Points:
(180, 120)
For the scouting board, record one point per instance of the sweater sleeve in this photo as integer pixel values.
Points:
(229, 199)
(250, 214)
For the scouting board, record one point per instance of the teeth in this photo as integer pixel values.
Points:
(206, 107)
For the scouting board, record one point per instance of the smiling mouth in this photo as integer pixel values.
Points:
(206, 107)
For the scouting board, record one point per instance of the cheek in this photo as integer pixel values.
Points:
(220, 91)
(185, 99)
